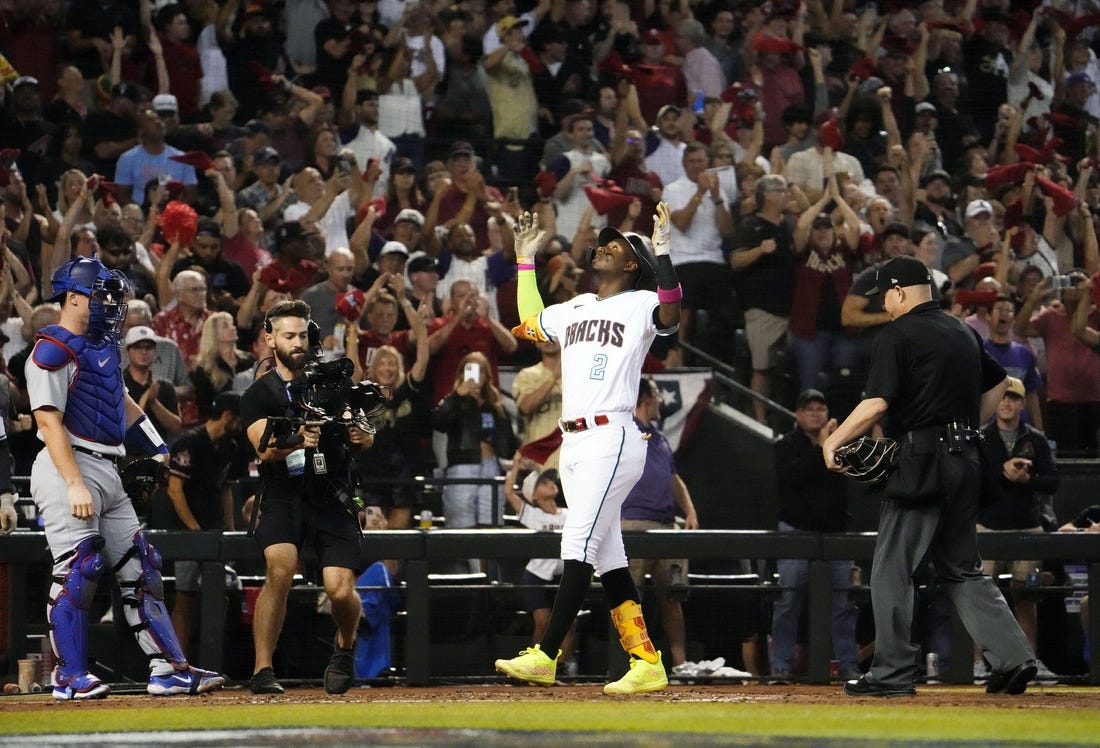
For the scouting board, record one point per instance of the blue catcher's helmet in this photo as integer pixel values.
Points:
(106, 291)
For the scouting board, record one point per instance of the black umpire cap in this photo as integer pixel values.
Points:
(647, 261)
(903, 271)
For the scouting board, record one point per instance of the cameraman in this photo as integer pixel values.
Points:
(299, 481)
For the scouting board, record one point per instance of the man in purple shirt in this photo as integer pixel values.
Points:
(1018, 360)
(652, 505)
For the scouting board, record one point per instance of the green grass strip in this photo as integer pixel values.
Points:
(862, 720)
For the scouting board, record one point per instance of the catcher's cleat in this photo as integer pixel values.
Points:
(532, 666)
(643, 677)
(263, 682)
(191, 681)
(340, 673)
(79, 687)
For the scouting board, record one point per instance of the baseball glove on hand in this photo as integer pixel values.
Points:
(868, 460)
(141, 477)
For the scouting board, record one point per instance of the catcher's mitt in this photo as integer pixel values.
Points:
(141, 477)
(867, 460)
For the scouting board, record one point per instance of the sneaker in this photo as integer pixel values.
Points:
(191, 681)
(643, 677)
(981, 672)
(1043, 674)
(778, 679)
(340, 673)
(532, 666)
(79, 687)
(1012, 681)
(865, 687)
(263, 682)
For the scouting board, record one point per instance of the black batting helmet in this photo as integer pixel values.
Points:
(643, 250)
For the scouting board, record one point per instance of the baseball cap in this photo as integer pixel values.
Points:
(668, 108)
(822, 221)
(1080, 77)
(126, 90)
(901, 271)
(139, 334)
(1015, 387)
(652, 36)
(895, 229)
(871, 85)
(289, 230)
(926, 106)
(266, 155)
(420, 262)
(977, 207)
(805, 397)
(226, 401)
(527, 488)
(927, 179)
(209, 227)
(365, 94)
(412, 215)
(24, 80)
(461, 148)
(392, 247)
(508, 23)
(165, 103)
(403, 165)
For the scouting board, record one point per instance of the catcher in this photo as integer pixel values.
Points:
(87, 422)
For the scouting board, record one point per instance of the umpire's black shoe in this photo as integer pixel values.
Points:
(864, 687)
(340, 673)
(263, 682)
(1012, 681)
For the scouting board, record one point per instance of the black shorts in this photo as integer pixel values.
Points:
(286, 516)
(538, 597)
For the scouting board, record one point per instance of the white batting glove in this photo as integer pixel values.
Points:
(8, 516)
(662, 230)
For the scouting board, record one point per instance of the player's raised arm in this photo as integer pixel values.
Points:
(528, 239)
(669, 292)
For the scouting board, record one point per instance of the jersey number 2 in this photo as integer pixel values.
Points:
(598, 369)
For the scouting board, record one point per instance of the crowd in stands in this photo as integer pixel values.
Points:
(370, 157)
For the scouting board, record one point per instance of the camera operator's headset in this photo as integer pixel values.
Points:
(312, 329)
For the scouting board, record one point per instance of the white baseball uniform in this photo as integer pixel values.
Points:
(603, 344)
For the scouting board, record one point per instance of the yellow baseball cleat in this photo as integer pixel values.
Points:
(532, 666)
(642, 677)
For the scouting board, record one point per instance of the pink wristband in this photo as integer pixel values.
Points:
(670, 295)
(525, 266)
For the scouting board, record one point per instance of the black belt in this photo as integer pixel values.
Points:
(97, 455)
(929, 434)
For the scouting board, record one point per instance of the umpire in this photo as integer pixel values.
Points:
(933, 381)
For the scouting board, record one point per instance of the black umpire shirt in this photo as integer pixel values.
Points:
(932, 369)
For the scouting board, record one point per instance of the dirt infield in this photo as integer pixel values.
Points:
(1037, 697)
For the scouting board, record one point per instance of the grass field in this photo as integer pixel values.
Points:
(1051, 716)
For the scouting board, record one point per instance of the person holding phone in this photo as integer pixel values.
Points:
(479, 432)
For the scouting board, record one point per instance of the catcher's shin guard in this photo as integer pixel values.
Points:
(633, 635)
(71, 597)
(144, 606)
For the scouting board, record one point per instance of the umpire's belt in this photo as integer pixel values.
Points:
(573, 425)
(97, 455)
(947, 432)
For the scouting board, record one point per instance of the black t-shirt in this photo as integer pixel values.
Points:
(203, 465)
(931, 368)
(811, 497)
(102, 126)
(268, 397)
(987, 65)
(166, 396)
(767, 283)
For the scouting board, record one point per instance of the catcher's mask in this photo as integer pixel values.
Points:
(867, 460)
(107, 306)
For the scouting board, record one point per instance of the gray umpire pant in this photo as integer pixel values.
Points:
(945, 533)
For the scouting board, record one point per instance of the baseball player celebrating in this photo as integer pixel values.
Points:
(603, 338)
(87, 421)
